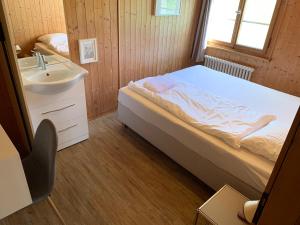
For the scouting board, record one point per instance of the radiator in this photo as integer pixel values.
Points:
(228, 67)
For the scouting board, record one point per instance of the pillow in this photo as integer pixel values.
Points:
(54, 40)
(267, 141)
(158, 84)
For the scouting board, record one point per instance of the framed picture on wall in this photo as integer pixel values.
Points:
(167, 7)
(88, 50)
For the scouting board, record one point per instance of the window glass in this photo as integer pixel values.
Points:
(255, 23)
(222, 19)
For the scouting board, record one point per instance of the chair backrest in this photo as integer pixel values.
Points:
(44, 151)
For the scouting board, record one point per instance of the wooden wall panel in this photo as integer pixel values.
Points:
(282, 72)
(152, 45)
(32, 18)
(144, 44)
(90, 19)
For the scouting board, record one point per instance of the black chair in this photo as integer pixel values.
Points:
(39, 166)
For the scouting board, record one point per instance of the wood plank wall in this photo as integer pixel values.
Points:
(32, 18)
(145, 44)
(152, 45)
(90, 19)
(283, 71)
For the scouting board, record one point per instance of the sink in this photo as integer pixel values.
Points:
(56, 78)
(27, 62)
(50, 76)
(31, 62)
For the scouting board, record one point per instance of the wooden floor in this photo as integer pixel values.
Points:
(116, 177)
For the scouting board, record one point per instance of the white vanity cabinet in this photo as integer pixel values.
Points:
(66, 109)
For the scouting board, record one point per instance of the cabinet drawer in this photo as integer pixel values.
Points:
(71, 129)
(60, 111)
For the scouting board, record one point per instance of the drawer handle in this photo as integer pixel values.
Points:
(67, 128)
(57, 110)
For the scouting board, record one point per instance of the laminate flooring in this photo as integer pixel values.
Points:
(117, 178)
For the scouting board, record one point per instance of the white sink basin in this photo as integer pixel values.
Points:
(55, 78)
(50, 76)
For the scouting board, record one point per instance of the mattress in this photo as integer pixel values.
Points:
(47, 50)
(241, 163)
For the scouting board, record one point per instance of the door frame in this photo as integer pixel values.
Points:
(16, 85)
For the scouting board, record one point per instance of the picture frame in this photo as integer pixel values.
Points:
(167, 7)
(88, 50)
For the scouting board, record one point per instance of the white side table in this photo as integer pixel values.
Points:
(222, 208)
(14, 191)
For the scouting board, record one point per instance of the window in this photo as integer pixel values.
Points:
(244, 24)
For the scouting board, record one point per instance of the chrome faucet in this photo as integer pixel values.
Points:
(40, 60)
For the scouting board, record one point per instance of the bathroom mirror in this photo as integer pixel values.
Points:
(39, 32)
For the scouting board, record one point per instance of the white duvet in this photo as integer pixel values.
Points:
(267, 141)
(228, 120)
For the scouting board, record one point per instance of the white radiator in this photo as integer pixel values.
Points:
(228, 67)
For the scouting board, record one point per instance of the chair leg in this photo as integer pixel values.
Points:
(196, 217)
(56, 210)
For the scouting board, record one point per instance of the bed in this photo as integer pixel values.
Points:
(206, 156)
(53, 44)
(47, 50)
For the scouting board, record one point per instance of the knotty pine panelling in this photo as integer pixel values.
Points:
(30, 19)
(90, 19)
(282, 72)
(152, 45)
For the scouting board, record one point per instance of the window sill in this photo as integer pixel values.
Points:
(238, 52)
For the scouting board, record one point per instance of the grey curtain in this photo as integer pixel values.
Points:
(200, 37)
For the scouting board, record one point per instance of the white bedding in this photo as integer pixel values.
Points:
(158, 84)
(267, 141)
(215, 115)
(243, 164)
(197, 96)
(250, 168)
(57, 42)
(46, 50)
